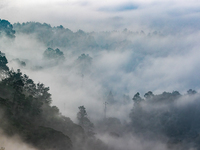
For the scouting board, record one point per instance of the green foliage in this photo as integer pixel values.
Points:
(84, 62)
(58, 36)
(55, 55)
(168, 115)
(47, 138)
(84, 121)
(42, 93)
(42, 31)
(81, 114)
(3, 64)
(20, 102)
(6, 29)
(26, 108)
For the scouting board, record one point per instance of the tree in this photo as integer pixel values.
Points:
(85, 59)
(81, 115)
(149, 95)
(84, 62)
(83, 121)
(6, 28)
(137, 99)
(52, 54)
(42, 93)
(3, 64)
(176, 94)
(14, 80)
(191, 92)
(29, 85)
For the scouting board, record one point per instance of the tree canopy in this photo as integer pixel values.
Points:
(6, 29)
(84, 121)
(51, 54)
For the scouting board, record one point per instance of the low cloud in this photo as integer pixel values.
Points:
(119, 8)
(131, 63)
(145, 46)
(93, 16)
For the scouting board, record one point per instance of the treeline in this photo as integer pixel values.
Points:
(167, 115)
(26, 106)
(57, 36)
(6, 28)
(80, 40)
(26, 110)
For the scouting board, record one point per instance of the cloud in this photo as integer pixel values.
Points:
(3, 4)
(119, 8)
(130, 142)
(91, 15)
(132, 63)
(124, 62)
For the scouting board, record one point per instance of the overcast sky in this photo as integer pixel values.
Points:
(96, 15)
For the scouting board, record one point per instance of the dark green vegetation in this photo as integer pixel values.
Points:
(57, 36)
(84, 121)
(6, 29)
(26, 107)
(26, 111)
(168, 115)
(51, 54)
(78, 41)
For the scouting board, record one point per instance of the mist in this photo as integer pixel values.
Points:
(13, 143)
(123, 63)
(168, 16)
(133, 65)
(130, 63)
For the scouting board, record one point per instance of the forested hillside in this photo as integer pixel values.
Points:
(93, 100)
(26, 111)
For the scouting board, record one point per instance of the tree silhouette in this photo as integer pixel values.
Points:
(83, 121)
(6, 28)
(3, 65)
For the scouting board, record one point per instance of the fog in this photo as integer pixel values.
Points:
(137, 64)
(13, 143)
(88, 15)
(112, 50)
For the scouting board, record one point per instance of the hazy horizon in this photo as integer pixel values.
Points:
(165, 16)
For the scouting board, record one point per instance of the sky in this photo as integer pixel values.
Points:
(92, 15)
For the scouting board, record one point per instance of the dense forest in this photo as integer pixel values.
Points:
(169, 120)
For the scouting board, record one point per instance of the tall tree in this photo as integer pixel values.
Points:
(3, 65)
(149, 95)
(6, 29)
(83, 121)
(137, 99)
(55, 55)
